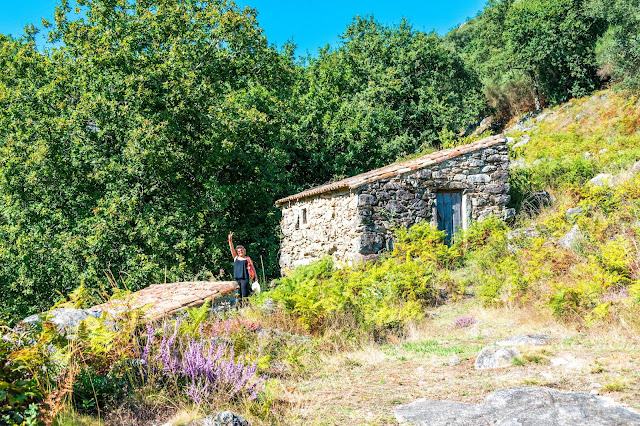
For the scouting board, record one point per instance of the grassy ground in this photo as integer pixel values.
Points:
(436, 362)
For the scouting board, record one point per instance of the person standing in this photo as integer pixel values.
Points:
(243, 269)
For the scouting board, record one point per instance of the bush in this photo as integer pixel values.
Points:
(201, 368)
(385, 295)
(19, 390)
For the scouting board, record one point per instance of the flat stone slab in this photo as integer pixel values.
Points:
(525, 339)
(161, 300)
(520, 406)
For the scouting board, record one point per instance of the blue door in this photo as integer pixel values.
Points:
(449, 206)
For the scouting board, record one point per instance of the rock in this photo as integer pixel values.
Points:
(224, 418)
(509, 214)
(522, 405)
(568, 362)
(587, 156)
(575, 211)
(523, 233)
(525, 339)
(510, 140)
(495, 357)
(269, 306)
(486, 121)
(535, 202)
(479, 178)
(603, 179)
(366, 200)
(371, 243)
(525, 139)
(454, 361)
(544, 116)
(66, 319)
(518, 164)
(635, 169)
(603, 151)
(571, 238)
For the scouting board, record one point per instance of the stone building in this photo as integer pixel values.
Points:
(354, 218)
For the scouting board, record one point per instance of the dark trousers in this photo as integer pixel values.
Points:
(244, 287)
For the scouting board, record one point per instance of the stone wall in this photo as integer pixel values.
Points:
(315, 227)
(354, 224)
(406, 199)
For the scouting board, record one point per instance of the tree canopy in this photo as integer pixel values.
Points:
(133, 148)
(149, 129)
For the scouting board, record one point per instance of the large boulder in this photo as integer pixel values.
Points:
(522, 405)
(495, 357)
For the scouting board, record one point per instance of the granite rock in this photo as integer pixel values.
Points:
(495, 357)
(522, 405)
(525, 339)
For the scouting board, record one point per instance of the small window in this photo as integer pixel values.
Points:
(304, 216)
(298, 222)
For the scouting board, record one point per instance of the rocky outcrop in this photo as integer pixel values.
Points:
(65, 319)
(603, 179)
(223, 418)
(523, 405)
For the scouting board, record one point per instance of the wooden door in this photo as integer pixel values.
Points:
(449, 206)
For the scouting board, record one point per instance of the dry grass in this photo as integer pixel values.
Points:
(365, 385)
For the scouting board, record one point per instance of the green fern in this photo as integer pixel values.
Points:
(195, 317)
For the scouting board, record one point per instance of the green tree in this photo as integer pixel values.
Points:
(136, 144)
(384, 92)
(619, 48)
(554, 42)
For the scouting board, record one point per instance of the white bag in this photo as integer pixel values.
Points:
(255, 287)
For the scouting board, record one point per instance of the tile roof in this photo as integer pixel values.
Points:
(396, 169)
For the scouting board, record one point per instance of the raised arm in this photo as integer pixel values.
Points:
(233, 249)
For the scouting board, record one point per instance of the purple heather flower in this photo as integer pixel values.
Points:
(464, 321)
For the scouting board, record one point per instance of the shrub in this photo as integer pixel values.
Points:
(19, 390)
(201, 368)
(92, 391)
(464, 321)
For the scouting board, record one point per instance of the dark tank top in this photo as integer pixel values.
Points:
(240, 269)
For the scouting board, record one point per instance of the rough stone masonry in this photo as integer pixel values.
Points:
(355, 218)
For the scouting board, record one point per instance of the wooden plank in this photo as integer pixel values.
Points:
(449, 210)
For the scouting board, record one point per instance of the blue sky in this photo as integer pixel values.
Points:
(311, 25)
